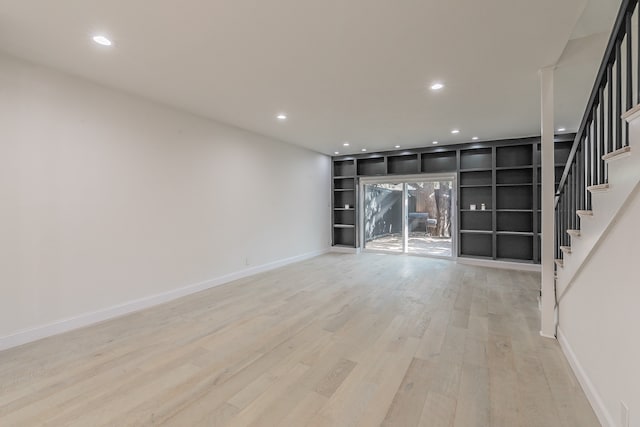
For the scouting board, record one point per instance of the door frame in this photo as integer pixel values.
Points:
(407, 179)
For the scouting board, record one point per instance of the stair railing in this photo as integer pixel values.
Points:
(602, 129)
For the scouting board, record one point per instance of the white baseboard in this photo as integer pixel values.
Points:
(500, 264)
(589, 389)
(65, 325)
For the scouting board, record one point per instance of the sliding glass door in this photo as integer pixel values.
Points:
(429, 218)
(409, 216)
(383, 222)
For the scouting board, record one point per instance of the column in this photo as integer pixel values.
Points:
(547, 171)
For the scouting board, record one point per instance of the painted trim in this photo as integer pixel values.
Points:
(543, 335)
(500, 264)
(86, 319)
(588, 387)
(344, 250)
(632, 114)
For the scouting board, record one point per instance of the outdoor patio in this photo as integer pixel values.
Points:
(419, 244)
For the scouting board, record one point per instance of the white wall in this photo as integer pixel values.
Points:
(600, 320)
(106, 198)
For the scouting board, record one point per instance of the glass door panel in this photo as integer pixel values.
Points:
(429, 209)
(383, 228)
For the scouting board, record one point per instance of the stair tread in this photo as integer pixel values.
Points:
(566, 249)
(598, 187)
(621, 152)
(560, 263)
(575, 233)
(584, 213)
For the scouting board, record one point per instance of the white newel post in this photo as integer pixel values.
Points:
(547, 171)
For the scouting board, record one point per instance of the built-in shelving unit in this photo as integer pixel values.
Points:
(344, 203)
(501, 178)
(476, 202)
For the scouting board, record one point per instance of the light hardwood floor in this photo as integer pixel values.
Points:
(339, 340)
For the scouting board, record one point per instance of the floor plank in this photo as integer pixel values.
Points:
(338, 340)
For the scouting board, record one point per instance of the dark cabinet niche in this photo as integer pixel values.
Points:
(373, 166)
(516, 247)
(344, 183)
(515, 221)
(344, 236)
(476, 244)
(514, 156)
(518, 197)
(344, 168)
(514, 176)
(475, 196)
(475, 159)
(476, 220)
(343, 198)
(406, 164)
(475, 178)
(438, 162)
(344, 217)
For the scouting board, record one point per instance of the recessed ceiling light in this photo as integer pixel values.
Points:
(561, 129)
(475, 138)
(397, 146)
(102, 40)
(282, 116)
(346, 144)
(336, 152)
(455, 131)
(435, 142)
(437, 86)
(364, 149)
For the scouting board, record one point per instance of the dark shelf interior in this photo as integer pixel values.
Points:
(514, 156)
(344, 183)
(344, 237)
(438, 162)
(344, 168)
(475, 196)
(514, 197)
(476, 244)
(476, 178)
(514, 176)
(476, 220)
(515, 221)
(342, 198)
(475, 158)
(515, 247)
(345, 217)
(373, 166)
(404, 164)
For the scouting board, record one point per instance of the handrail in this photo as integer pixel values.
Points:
(602, 129)
(617, 34)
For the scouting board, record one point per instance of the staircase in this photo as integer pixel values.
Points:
(608, 200)
(603, 168)
(596, 233)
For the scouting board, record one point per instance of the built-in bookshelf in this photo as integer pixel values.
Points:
(344, 203)
(498, 193)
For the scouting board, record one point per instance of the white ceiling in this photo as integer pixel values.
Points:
(355, 70)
